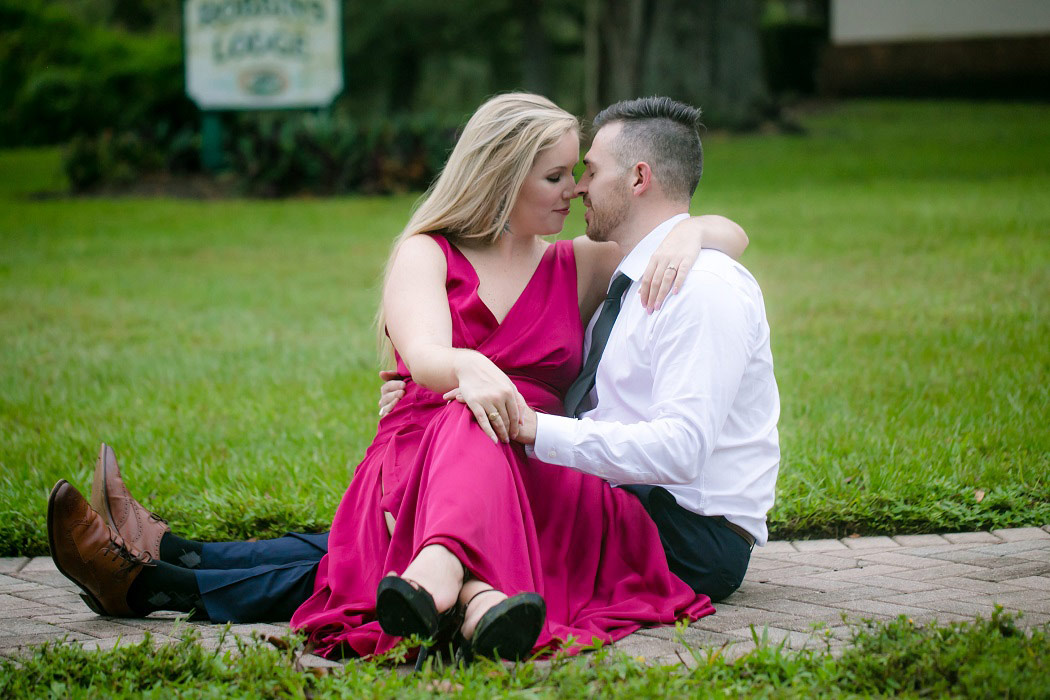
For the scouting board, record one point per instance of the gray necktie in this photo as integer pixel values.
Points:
(599, 337)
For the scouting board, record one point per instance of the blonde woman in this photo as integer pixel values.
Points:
(447, 528)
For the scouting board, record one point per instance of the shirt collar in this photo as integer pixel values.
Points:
(638, 259)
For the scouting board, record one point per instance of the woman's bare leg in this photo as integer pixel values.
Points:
(439, 573)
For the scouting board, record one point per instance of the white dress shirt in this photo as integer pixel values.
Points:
(686, 397)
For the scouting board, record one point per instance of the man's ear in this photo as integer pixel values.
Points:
(641, 178)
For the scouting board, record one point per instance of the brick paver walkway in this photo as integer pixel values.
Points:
(790, 588)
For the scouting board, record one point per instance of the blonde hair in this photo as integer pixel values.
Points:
(472, 198)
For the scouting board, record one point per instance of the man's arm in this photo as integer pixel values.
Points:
(701, 345)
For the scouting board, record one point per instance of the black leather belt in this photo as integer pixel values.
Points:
(744, 534)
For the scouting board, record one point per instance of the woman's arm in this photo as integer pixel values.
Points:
(419, 324)
(595, 262)
(670, 264)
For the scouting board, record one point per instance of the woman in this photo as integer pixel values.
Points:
(475, 303)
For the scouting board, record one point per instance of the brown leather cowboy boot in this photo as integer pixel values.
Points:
(90, 553)
(141, 529)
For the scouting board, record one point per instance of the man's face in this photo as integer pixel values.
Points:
(604, 187)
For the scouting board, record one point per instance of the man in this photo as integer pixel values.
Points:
(685, 404)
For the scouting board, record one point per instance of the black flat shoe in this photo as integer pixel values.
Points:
(404, 609)
(442, 645)
(508, 630)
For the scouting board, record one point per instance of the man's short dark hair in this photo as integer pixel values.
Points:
(663, 133)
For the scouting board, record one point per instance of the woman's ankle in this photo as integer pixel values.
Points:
(477, 597)
(439, 573)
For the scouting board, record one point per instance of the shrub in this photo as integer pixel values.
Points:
(63, 77)
(276, 154)
(119, 159)
(289, 153)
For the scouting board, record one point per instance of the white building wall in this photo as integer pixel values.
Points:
(878, 21)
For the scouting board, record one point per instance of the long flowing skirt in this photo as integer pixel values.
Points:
(517, 523)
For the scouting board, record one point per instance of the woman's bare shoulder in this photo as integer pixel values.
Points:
(420, 250)
(595, 258)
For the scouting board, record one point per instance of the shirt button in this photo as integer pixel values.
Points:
(552, 453)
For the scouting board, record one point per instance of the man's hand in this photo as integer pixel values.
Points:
(391, 392)
(527, 427)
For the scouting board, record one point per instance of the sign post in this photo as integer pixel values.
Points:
(259, 54)
(211, 142)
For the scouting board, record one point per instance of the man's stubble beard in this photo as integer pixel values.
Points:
(606, 220)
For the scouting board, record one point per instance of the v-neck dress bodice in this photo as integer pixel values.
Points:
(515, 522)
(539, 343)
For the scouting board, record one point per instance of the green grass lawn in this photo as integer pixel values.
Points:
(225, 348)
(980, 659)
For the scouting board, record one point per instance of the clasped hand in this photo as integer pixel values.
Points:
(490, 395)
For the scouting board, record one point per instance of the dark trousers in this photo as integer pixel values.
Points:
(700, 549)
(259, 581)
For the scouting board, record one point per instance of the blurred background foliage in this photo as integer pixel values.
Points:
(65, 76)
(106, 77)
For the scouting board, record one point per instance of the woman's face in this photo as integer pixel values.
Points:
(543, 200)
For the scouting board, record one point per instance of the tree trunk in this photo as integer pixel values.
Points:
(535, 48)
(623, 29)
(704, 52)
(592, 57)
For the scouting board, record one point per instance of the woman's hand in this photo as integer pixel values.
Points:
(670, 264)
(391, 392)
(489, 394)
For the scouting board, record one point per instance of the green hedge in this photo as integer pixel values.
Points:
(275, 154)
(108, 160)
(281, 154)
(63, 77)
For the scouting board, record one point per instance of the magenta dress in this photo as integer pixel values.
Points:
(517, 523)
